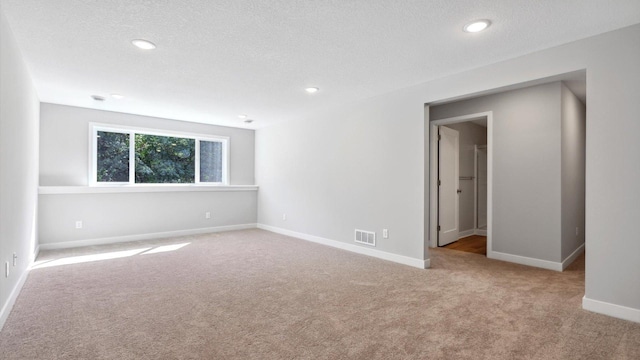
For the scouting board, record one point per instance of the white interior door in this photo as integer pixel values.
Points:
(448, 158)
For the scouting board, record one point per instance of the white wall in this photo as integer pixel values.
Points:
(363, 165)
(341, 171)
(123, 215)
(470, 135)
(19, 107)
(64, 142)
(106, 217)
(573, 168)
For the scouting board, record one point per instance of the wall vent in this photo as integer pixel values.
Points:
(366, 237)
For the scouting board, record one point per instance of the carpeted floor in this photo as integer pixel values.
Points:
(257, 295)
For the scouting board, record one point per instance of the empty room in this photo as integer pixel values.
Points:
(319, 179)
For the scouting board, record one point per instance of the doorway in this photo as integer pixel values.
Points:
(536, 200)
(448, 184)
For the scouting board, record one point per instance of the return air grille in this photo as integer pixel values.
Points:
(366, 237)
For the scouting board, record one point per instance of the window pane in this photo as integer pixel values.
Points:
(164, 159)
(113, 157)
(210, 161)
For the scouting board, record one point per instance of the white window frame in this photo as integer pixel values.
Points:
(132, 131)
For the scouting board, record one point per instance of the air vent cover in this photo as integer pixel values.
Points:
(366, 237)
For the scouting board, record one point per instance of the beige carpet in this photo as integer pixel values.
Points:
(257, 295)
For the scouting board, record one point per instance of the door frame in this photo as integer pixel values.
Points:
(433, 174)
(475, 183)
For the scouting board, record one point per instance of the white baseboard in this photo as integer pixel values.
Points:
(6, 308)
(617, 311)
(571, 258)
(523, 260)
(481, 232)
(159, 235)
(464, 234)
(401, 259)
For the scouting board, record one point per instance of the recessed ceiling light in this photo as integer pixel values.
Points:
(242, 116)
(311, 90)
(477, 26)
(97, 97)
(143, 44)
(117, 96)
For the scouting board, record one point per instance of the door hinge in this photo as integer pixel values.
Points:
(439, 183)
(439, 137)
(438, 227)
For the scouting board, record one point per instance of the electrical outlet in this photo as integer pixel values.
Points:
(284, 217)
(207, 215)
(385, 233)
(15, 259)
(6, 269)
(79, 224)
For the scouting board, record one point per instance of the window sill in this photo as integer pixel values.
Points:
(113, 189)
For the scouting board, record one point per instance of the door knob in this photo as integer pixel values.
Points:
(458, 191)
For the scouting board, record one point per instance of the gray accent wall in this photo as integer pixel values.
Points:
(19, 112)
(526, 167)
(64, 161)
(363, 165)
(470, 136)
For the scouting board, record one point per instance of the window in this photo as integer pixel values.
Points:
(210, 161)
(123, 155)
(113, 157)
(164, 159)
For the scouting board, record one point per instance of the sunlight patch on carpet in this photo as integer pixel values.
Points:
(165, 248)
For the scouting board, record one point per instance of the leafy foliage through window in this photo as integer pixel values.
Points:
(163, 159)
(158, 159)
(113, 157)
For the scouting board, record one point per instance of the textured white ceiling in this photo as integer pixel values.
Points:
(218, 59)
